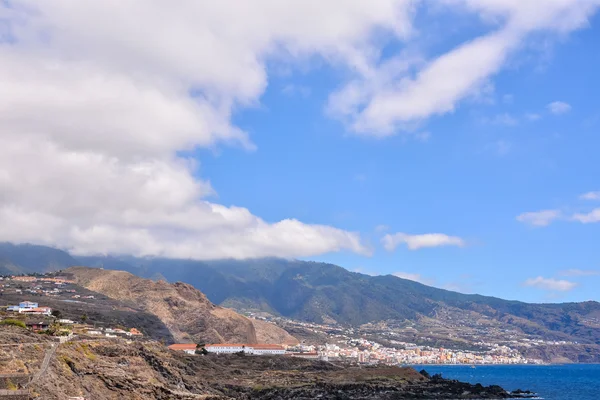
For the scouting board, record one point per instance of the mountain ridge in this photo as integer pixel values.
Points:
(321, 292)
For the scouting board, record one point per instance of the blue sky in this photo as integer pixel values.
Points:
(480, 167)
(451, 142)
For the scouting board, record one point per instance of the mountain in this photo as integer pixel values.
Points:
(185, 311)
(321, 292)
(28, 258)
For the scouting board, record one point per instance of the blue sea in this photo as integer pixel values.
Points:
(551, 382)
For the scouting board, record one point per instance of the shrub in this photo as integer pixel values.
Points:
(10, 385)
(13, 322)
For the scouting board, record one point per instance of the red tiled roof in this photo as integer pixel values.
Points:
(229, 345)
(183, 346)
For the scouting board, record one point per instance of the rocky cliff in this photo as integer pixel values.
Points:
(187, 313)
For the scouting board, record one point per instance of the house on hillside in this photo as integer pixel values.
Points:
(27, 305)
(134, 332)
(38, 311)
(37, 325)
(23, 306)
(189, 348)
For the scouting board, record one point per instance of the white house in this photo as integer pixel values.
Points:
(30, 307)
(254, 349)
(38, 311)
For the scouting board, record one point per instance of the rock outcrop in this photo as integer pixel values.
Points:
(187, 313)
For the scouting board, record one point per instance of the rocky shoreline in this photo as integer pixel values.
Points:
(114, 368)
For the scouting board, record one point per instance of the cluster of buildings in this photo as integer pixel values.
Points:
(57, 279)
(42, 286)
(349, 344)
(231, 348)
(114, 332)
(30, 308)
(365, 351)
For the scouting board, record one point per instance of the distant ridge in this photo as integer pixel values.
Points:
(320, 292)
(28, 258)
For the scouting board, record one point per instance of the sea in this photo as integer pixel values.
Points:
(550, 382)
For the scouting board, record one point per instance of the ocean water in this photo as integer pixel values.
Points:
(551, 382)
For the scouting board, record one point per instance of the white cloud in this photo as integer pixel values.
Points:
(550, 284)
(415, 242)
(395, 94)
(590, 196)
(503, 119)
(539, 218)
(99, 99)
(591, 217)
(579, 272)
(414, 277)
(533, 116)
(559, 107)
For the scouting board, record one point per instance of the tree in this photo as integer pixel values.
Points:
(84, 318)
(57, 314)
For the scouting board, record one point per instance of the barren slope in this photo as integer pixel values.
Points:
(187, 313)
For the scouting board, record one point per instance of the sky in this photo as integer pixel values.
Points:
(451, 142)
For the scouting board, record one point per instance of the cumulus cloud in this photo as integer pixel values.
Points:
(396, 93)
(96, 110)
(414, 277)
(100, 100)
(415, 242)
(533, 116)
(579, 272)
(588, 218)
(559, 285)
(590, 196)
(559, 107)
(539, 218)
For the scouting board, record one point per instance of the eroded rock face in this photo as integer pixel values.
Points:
(187, 313)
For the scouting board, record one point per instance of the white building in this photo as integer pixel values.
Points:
(226, 348)
(267, 350)
(254, 349)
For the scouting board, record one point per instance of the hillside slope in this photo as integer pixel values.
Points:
(187, 313)
(324, 292)
(321, 292)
